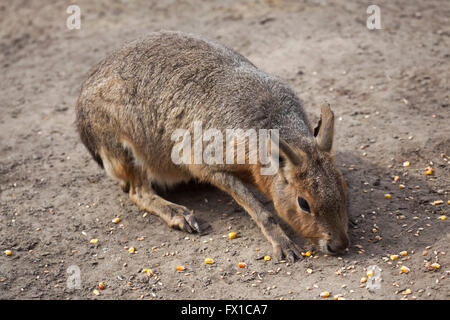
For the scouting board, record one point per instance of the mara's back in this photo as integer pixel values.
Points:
(167, 81)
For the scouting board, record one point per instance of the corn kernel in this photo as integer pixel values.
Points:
(406, 292)
(96, 292)
(8, 252)
(387, 196)
(404, 269)
(429, 171)
(149, 272)
(232, 235)
(242, 265)
(369, 273)
(406, 164)
(306, 254)
(324, 294)
(435, 265)
(442, 218)
(396, 178)
(180, 267)
(393, 257)
(363, 279)
(209, 261)
(116, 220)
(401, 186)
(309, 270)
(131, 250)
(438, 202)
(267, 258)
(94, 241)
(403, 253)
(101, 285)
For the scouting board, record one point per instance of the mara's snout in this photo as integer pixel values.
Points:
(337, 246)
(139, 112)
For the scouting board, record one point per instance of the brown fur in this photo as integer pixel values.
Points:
(132, 102)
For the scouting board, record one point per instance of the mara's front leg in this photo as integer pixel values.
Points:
(175, 215)
(282, 245)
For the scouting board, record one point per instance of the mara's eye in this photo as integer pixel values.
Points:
(303, 204)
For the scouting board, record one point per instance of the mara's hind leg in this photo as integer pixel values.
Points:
(135, 181)
(125, 186)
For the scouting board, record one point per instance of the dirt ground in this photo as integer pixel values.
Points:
(389, 89)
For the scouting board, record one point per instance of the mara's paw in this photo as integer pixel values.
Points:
(183, 219)
(283, 247)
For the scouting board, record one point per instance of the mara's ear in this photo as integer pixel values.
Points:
(290, 154)
(325, 129)
(281, 155)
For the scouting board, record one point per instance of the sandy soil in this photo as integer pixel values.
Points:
(390, 92)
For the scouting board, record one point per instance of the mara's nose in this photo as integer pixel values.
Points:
(338, 246)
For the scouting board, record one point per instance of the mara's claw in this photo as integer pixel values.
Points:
(191, 222)
(285, 247)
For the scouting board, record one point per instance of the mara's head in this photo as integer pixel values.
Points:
(310, 193)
